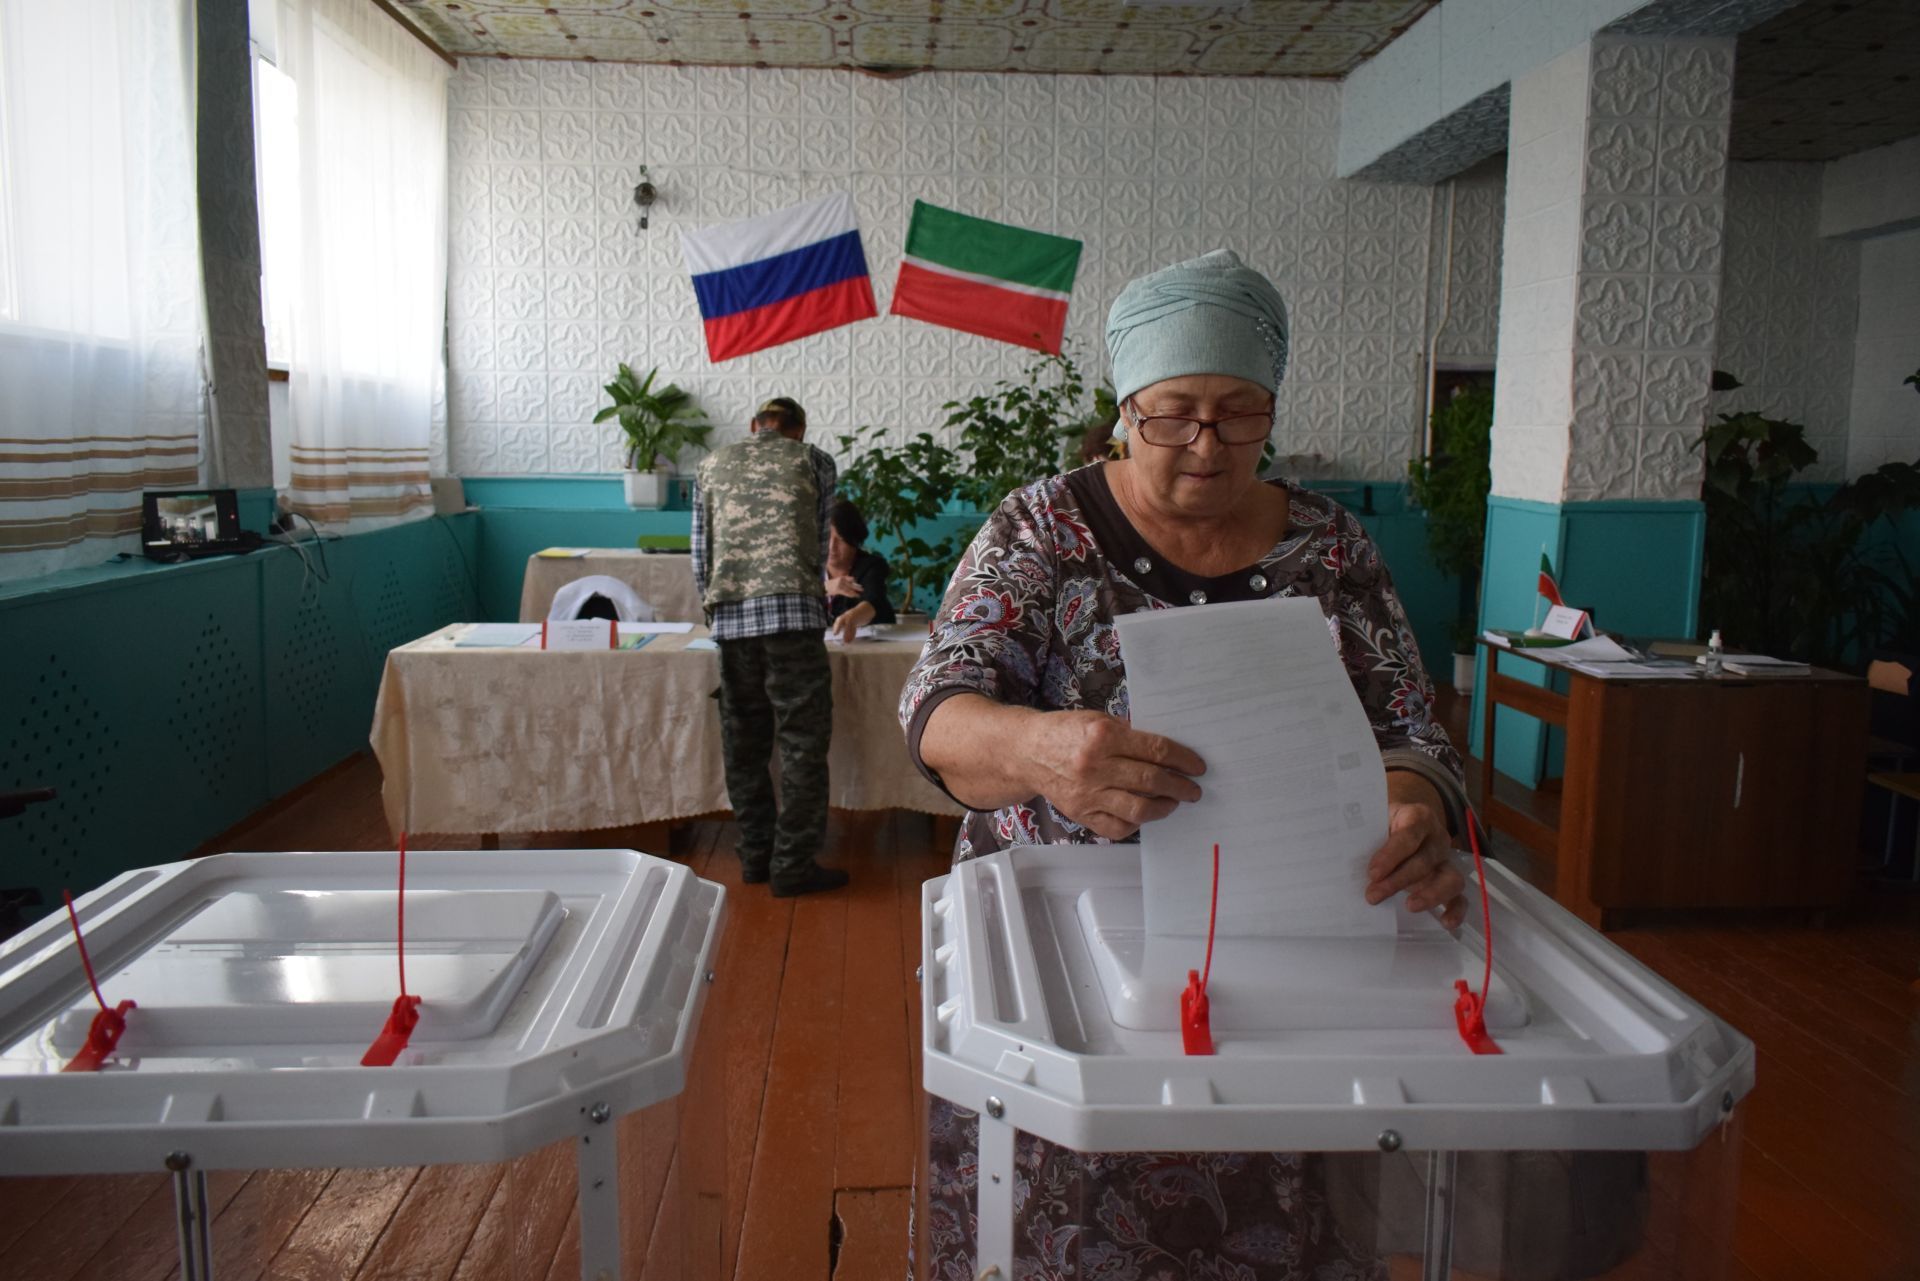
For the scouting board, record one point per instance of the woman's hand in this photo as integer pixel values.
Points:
(843, 585)
(1104, 774)
(1418, 854)
(852, 621)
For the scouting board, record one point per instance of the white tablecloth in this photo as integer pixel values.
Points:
(663, 579)
(516, 740)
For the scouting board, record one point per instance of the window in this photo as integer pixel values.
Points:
(276, 135)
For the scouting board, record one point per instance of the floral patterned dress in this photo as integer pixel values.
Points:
(1028, 620)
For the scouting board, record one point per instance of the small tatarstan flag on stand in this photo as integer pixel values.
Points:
(986, 278)
(1548, 588)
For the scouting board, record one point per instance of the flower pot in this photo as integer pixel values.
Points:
(1463, 673)
(646, 490)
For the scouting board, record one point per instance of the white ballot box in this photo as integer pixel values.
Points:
(554, 1052)
(1341, 1129)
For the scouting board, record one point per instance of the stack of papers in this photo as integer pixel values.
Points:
(1598, 649)
(1761, 665)
(498, 636)
(1658, 669)
(563, 553)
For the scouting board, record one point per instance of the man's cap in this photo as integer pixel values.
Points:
(785, 407)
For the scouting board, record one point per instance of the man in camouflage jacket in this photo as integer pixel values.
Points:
(760, 517)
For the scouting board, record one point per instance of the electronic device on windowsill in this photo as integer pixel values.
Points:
(186, 524)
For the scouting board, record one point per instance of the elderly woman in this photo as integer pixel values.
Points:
(1018, 706)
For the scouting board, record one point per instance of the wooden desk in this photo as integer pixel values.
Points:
(1729, 792)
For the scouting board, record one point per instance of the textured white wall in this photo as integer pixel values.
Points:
(1472, 306)
(551, 282)
(1886, 413)
(1613, 258)
(1787, 305)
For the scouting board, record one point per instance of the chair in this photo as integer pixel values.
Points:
(571, 600)
(1891, 747)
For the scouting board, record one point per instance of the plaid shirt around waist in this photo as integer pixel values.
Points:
(768, 616)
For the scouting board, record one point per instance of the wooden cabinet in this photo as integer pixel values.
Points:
(1696, 793)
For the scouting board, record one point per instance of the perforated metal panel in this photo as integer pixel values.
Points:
(309, 658)
(168, 705)
(56, 737)
(216, 701)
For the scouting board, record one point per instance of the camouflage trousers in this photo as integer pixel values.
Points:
(777, 690)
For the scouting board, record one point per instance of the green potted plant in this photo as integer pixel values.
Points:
(659, 423)
(1018, 432)
(1794, 570)
(902, 490)
(1452, 486)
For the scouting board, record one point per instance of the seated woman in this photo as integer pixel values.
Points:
(856, 578)
(1018, 710)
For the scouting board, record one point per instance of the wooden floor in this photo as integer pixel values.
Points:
(821, 1038)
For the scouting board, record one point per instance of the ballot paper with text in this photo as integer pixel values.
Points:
(1294, 791)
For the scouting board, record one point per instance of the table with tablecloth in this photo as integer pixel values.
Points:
(662, 579)
(491, 740)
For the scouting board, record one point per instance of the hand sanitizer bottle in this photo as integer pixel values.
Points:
(1716, 652)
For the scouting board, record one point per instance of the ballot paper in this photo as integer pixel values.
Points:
(498, 636)
(1294, 790)
(655, 629)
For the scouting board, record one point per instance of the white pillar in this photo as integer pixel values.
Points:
(1616, 209)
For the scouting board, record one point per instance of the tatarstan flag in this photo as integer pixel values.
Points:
(1548, 587)
(986, 278)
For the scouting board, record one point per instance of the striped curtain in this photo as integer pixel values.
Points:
(101, 385)
(368, 319)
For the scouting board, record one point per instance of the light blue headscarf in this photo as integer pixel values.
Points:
(1208, 315)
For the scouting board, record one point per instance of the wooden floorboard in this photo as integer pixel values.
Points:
(875, 1105)
(872, 1233)
(786, 1229)
(342, 1225)
(817, 1014)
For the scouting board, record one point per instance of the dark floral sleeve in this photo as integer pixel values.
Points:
(1376, 642)
(993, 628)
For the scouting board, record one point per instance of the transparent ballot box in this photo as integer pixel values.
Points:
(550, 1112)
(1342, 1128)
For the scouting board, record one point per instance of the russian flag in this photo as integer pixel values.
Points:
(769, 280)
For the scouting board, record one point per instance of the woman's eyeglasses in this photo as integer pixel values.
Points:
(1175, 432)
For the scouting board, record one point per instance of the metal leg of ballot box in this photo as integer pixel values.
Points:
(1437, 1246)
(599, 1162)
(993, 1233)
(190, 1217)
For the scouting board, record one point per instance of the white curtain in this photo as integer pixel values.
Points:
(368, 316)
(101, 389)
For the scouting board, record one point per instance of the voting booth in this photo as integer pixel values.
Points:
(559, 994)
(1594, 1135)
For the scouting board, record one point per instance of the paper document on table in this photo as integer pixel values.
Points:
(498, 636)
(655, 629)
(1597, 649)
(859, 634)
(1294, 791)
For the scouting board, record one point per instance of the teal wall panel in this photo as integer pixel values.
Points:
(1636, 565)
(168, 702)
(508, 535)
(1517, 529)
(522, 514)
